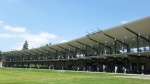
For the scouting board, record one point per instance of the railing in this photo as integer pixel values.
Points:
(69, 57)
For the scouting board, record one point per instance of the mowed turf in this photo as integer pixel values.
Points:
(33, 76)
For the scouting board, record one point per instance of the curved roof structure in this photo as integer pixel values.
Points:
(127, 35)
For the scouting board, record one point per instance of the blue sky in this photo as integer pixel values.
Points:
(54, 21)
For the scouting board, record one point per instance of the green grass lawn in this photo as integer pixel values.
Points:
(32, 76)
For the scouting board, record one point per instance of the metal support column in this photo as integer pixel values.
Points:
(35, 65)
(55, 65)
(75, 52)
(28, 64)
(99, 48)
(137, 43)
(22, 66)
(65, 53)
(64, 65)
(128, 49)
(128, 64)
(72, 65)
(115, 39)
(149, 45)
(85, 50)
(138, 38)
(56, 53)
(114, 61)
(138, 64)
(110, 51)
(115, 47)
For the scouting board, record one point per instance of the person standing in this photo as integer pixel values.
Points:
(105, 52)
(142, 68)
(78, 68)
(116, 68)
(130, 69)
(124, 70)
(104, 68)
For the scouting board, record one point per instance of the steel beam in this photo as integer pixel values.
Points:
(44, 49)
(64, 49)
(86, 45)
(21, 53)
(28, 53)
(114, 38)
(75, 47)
(49, 51)
(16, 53)
(39, 51)
(136, 34)
(138, 38)
(98, 42)
(56, 50)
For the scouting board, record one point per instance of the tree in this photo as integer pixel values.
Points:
(47, 44)
(25, 45)
(0, 53)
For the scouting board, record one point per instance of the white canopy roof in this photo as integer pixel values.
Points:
(123, 33)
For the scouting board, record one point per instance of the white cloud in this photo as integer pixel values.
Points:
(36, 40)
(18, 46)
(124, 22)
(43, 37)
(47, 35)
(63, 41)
(15, 29)
(7, 35)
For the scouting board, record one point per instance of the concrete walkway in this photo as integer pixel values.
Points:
(137, 76)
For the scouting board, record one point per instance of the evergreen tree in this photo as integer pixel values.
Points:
(48, 44)
(0, 53)
(25, 45)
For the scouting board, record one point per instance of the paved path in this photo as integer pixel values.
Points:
(137, 76)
